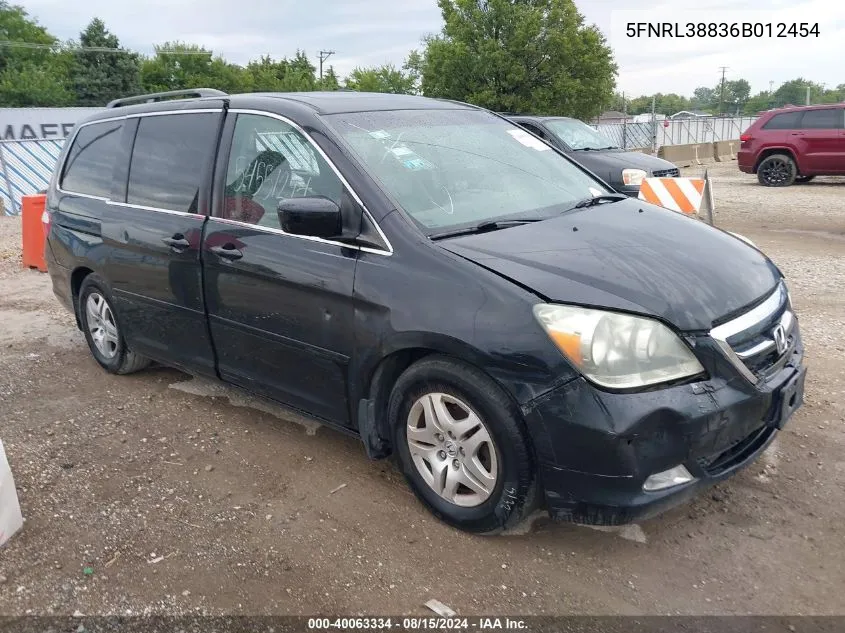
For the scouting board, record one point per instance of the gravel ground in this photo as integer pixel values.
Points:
(159, 493)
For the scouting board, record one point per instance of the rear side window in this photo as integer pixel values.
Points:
(784, 121)
(90, 160)
(827, 119)
(169, 160)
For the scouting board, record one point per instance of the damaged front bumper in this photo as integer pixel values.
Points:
(598, 449)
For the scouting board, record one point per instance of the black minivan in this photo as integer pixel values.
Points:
(435, 280)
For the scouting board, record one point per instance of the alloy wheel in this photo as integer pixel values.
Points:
(101, 325)
(452, 449)
(776, 172)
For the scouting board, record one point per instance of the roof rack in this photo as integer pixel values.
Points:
(160, 96)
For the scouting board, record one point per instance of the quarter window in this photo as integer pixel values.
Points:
(90, 161)
(169, 160)
(271, 161)
(827, 119)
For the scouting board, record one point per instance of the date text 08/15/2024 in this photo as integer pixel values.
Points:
(722, 29)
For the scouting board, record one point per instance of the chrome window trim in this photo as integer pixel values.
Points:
(267, 229)
(294, 125)
(123, 117)
(720, 334)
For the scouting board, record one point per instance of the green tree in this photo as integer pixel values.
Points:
(758, 103)
(100, 76)
(300, 74)
(663, 104)
(386, 78)
(26, 84)
(737, 93)
(520, 55)
(795, 92)
(33, 71)
(704, 98)
(329, 80)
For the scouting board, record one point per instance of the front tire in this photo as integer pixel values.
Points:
(462, 446)
(777, 170)
(102, 331)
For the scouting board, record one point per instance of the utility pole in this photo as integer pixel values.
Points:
(324, 55)
(808, 95)
(722, 90)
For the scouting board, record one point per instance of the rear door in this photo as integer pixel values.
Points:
(279, 306)
(820, 141)
(153, 229)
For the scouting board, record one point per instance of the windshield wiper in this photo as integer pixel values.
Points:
(484, 227)
(591, 202)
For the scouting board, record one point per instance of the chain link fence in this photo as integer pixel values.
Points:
(652, 135)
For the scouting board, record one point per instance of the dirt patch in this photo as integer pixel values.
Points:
(184, 496)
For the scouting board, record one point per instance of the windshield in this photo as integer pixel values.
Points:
(451, 169)
(578, 135)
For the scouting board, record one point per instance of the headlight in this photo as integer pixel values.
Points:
(633, 176)
(617, 350)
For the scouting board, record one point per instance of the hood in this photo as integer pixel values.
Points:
(613, 161)
(628, 256)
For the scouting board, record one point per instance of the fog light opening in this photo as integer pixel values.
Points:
(668, 478)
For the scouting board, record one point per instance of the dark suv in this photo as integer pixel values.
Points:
(431, 278)
(794, 145)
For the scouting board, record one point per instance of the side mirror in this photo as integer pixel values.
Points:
(315, 216)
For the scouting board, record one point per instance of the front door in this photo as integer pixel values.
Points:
(820, 140)
(153, 232)
(279, 306)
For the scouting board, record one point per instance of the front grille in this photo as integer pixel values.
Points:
(666, 173)
(760, 341)
(736, 453)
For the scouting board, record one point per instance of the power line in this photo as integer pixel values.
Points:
(92, 49)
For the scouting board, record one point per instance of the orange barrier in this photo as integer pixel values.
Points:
(32, 208)
(678, 194)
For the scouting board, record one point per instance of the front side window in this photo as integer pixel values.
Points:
(271, 161)
(578, 135)
(90, 160)
(784, 121)
(827, 119)
(457, 168)
(169, 160)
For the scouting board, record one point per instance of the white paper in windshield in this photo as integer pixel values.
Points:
(529, 141)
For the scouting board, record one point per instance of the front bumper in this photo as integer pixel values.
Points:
(596, 449)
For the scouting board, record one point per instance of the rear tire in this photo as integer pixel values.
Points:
(102, 329)
(469, 459)
(777, 170)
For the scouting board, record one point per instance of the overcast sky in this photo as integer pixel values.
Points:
(370, 32)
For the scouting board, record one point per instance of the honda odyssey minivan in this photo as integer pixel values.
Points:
(435, 280)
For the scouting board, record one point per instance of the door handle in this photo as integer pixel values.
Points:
(178, 242)
(227, 251)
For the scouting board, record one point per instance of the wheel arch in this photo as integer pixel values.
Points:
(76, 278)
(371, 414)
(769, 151)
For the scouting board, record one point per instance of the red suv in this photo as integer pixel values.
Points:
(794, 144)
